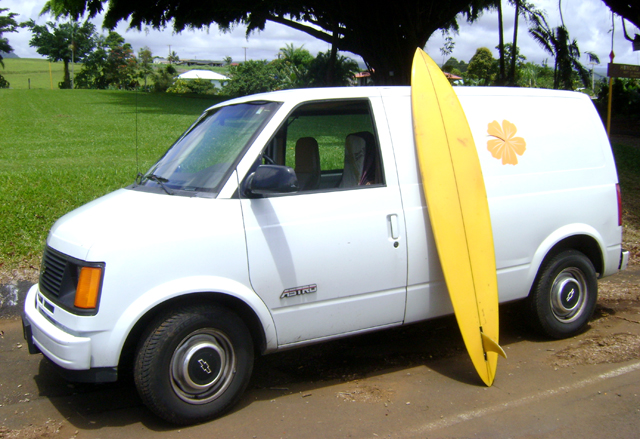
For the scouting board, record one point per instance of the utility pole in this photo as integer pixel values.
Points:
(593, 81)
(245, 54)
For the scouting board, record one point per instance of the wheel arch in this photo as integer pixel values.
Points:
(583, 243)
(584, 239)
(234, 304)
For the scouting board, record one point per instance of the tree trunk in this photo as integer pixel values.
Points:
(391, 65)
(501, 77)
(329, 79)
(390, 73)
(514, 47)
(66, 83)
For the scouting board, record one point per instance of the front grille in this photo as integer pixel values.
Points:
(52, 272)
(59, 279)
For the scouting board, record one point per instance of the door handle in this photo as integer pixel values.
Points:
(394, 227)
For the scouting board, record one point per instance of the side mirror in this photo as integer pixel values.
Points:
(270, 180)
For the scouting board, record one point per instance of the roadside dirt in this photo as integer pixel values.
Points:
(618, 299)
(408, 382)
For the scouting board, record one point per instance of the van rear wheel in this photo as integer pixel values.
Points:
(564, 295)
(193, 363)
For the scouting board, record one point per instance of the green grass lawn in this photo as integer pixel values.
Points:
(38, 73)
(23, 73)
(63, 148)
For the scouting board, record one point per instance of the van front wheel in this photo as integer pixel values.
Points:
(193, 363)
(564, 296)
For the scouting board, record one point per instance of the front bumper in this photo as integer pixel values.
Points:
(68, 351)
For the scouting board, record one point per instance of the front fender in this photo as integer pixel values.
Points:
(182, 288)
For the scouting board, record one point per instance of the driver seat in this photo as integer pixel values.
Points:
(307, 163)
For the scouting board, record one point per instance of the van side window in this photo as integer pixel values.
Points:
(330, 145)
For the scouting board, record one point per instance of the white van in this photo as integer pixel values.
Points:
(288, 218)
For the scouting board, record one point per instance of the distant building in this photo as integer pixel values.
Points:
(191, 62)
(201, 62)
(363, 78)
(216, 79)
(451, 76)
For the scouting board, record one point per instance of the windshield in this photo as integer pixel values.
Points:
(206, 154)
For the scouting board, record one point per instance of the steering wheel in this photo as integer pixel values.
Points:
(268, 159)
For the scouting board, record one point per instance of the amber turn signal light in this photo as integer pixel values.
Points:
(88, 287)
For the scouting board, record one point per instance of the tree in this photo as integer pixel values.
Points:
(385, 37)
(251, 77)
(626, 96)
(520, 59)
(121, 63)
(627, 9)
(298, 56)
(511, 77)
(163, 79)
(502, 76)
(535, 76)
(92, 74)
(62, 42)
(482, 67)
(145, 63)
(297, 68)
(173, 58)
(200, 86)
(454, 64)
(293, 65)
(447, 47)
(111, 64)
(343, 70)
(522, 9)
(566, 53)
(7, 24)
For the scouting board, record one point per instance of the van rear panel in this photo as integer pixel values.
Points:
(549, 174)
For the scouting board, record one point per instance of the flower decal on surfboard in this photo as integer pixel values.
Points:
(506, 145)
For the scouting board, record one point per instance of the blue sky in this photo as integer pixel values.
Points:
(588, 21)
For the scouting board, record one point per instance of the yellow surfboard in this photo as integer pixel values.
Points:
(458, 210)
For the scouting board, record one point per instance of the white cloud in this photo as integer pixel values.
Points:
(588, 21)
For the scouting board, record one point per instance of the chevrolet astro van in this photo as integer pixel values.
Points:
(288, 218)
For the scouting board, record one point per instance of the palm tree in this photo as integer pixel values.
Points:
(530, 14)
(511, 79)
(7, 24)
(566, 53)
(501, 71)
(298, 56)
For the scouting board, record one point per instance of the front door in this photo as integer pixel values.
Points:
(331, 258)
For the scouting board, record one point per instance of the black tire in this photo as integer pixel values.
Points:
(564, 295)
(194, 363)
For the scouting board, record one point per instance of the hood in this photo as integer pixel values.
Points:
(133, 219)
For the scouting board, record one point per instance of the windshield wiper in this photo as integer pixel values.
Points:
(160, 180)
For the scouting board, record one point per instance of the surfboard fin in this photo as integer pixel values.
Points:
(490, 345)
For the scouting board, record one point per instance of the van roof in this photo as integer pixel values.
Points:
(310, 94)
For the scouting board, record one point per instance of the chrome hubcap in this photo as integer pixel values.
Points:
(568, 295)
(202, 366)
